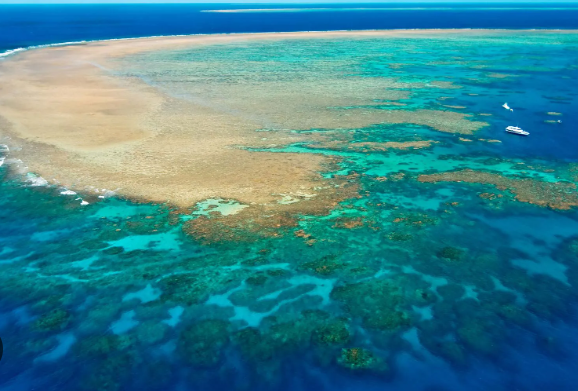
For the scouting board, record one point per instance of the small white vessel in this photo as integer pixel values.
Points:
(505, 106)
(517, 130)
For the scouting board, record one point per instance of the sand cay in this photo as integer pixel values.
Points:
(78, 117)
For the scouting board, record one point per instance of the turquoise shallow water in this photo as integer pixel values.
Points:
(412, 286)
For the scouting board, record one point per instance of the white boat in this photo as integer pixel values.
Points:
(505, 106)
(517, 130)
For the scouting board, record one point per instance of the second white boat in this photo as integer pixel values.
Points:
(517, 130)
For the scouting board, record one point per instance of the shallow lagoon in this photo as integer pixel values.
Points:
(413, 285)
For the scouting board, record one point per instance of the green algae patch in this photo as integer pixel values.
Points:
(333, 333)
(443, 121)
(201, 344)
(110, 374)
(397, 236)
(257, 279)
(313, 331)
(477, 336)
(414, 219)
(253, 345)
(151, 332)
(450, 351)
(376, 302)
(95, 346)
(324, 266)
(451, 254)
(56, 319)
(186, 288)
(357, 359)
(194, 286)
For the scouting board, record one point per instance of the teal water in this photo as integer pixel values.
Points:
(411, 286)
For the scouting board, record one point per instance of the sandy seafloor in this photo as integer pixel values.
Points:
(427, 277)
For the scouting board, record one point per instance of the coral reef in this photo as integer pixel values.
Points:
(56, 319)
(376, 302)
(346, 250)
(333, 333)
(361, 359)
(325, 266)
(201, 343)
(452, 254)
(555, 195)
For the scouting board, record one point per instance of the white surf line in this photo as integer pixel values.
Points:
(10, 52)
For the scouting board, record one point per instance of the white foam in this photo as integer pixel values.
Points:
(18, 50)
(83, 203)
(68, 192)
(102, 193)
(2, 161)
(71, 43)
(13, 51)
(35, 180)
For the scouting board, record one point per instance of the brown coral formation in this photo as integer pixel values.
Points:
(78, 117)
(500, 75)
(443, 121)
(270, 220)
(373, 146)
(349, 223)
(555, 195)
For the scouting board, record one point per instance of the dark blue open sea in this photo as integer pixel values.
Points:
(27, 25)
(452, 264)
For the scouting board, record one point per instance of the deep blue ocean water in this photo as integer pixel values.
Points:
(26, 25)
(542, 356)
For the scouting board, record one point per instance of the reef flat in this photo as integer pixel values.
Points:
(87, 116)
(291, 212)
